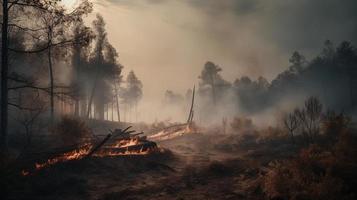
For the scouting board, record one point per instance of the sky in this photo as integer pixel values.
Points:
(167, 42)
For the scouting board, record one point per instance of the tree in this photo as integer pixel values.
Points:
(97, 60)
(133, 91)
(328, 51)
(56, 20)
(309, 118)
(171, 98)
(298, 61)
(105, 68)
(313, 108)
(82, 36)
(4, 75)
(291, 124)
(37, 42)
(211, 78)
(18, 5)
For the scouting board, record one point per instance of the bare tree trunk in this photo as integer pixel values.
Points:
(213, 90)
(112, 110)
(117, 99)
(91, 97)
(136, 111)
(83, 103)
(4, 74)
(125, 109)
(107, 111)
(76, 108)
(99, 108)
(190, 116)
(77, 71)
(50, 68)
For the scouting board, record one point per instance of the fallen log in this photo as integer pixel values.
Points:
(98, 146)
(133, 148)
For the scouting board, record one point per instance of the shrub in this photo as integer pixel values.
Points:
(241, 124)
(334, 124)
(311, 175)
(72, 130)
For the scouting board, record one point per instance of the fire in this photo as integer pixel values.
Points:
(25, 173)
(72, 155)
(173, 133)
(126, 143)
(126, 153)
(123, 147)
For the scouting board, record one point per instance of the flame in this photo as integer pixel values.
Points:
(172, 133)
(126, 143)
(72, 155)
(108, 152)
(25, 173)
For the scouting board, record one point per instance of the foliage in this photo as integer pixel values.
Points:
(133, 91)
(291, 123)
(324, 170)
(334, 124)
(306, 120)
(72, 130)
(330, 72)
(212, 83)
(309, 176)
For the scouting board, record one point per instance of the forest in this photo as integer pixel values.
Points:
(72, 122)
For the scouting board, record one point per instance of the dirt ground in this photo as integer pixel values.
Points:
(194, 166)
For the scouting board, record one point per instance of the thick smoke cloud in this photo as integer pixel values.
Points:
(174, 38)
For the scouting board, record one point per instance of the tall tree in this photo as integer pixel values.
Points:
(97, 60)
(4, 75)
(35, 42)
(82, 36)
(298, 61)
(133, 91)
(56, 21)
(105, 68)
(212, 80)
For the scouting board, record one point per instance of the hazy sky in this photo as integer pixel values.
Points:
(166, 42)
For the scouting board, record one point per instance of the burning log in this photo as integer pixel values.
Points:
(125, 144)
(99, 145)
(122, 134)
(140, 148)
(172, 132)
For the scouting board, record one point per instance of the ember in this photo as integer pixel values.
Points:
(125, 144)
(173, 132)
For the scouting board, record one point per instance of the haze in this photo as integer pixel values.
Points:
(167, 42)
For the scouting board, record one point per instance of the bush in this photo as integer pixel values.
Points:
(312, 175)
(72, 130)
(241, 124)
(334, 124)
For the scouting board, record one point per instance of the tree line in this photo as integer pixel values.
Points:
(331, 76)
(53, 63)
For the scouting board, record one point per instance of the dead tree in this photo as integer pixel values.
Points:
(291, 124)
(313, 108)
(190, 116)
(116, 98)
(4, 74)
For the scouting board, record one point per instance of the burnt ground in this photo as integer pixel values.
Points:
(197, 166)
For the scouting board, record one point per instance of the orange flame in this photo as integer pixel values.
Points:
(85, 149)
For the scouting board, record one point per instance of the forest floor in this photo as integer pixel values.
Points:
(196, 166)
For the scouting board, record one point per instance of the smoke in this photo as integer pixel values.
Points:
(167, 42)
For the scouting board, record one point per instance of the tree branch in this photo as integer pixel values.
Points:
(42, 48)
(20, 107)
